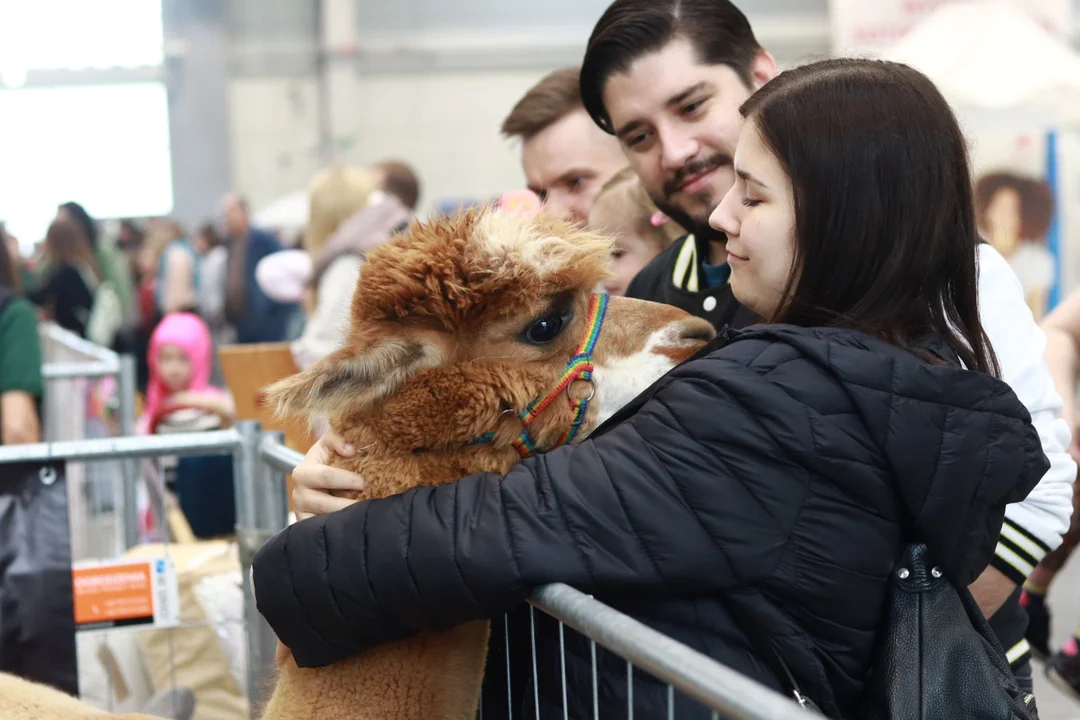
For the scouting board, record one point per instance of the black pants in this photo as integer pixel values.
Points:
(37, 615)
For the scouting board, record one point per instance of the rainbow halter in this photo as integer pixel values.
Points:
(580, 367)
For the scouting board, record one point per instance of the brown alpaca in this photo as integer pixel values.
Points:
(457, 327)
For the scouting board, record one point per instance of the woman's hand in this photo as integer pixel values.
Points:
(313, 478)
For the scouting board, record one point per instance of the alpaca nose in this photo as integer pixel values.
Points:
(694, 329)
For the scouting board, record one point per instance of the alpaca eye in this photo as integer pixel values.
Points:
(545, 329)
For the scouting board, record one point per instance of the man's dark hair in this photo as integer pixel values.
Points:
(894, 253)
(400, 180)
(630, 29)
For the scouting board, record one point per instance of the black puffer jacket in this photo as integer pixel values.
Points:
(764, 482)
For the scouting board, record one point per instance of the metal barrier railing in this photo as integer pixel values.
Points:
(241, 442)
(728, 693)
(69, 361)
(260, 464)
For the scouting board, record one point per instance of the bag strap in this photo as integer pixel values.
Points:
(769, 655)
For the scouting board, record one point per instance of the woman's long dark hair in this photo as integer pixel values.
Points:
(886, 239)
(66, 244)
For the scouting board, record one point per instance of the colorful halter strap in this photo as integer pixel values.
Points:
(580, 367)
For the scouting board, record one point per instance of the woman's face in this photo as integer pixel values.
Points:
(174, 368)
(758, 216)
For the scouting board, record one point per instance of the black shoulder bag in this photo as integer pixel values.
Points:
(937, 656)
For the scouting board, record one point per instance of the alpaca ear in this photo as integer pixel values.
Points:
(346, 378)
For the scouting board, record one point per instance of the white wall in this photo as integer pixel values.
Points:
(402, 82)
(274, 135)
(446, 125)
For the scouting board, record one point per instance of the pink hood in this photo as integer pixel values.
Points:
(190, 333)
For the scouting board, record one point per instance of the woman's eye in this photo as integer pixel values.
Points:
(750, 203)
(617, 253)
(543, 330)
(693, 107)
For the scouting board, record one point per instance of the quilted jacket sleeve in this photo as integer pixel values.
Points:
(662, 501)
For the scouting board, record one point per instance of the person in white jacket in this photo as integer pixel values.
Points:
(1036, 526)
(1062, 328)
(352, 212)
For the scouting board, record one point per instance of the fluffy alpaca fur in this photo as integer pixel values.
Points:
(437, 356)
(24, 700)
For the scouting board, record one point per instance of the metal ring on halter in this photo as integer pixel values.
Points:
(47, 474)
(592, 391)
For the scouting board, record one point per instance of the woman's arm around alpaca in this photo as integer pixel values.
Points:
(697, 493)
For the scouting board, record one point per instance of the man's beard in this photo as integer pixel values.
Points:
(699, 225)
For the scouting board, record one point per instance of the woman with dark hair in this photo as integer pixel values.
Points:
(67, 294)
(752, 504)
(108, 257)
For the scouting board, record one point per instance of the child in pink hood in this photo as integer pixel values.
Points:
(179, 393)
(179, 398)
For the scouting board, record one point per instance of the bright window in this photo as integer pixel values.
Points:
(76, 34)
(106, 147)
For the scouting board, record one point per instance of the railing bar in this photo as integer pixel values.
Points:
(509, 694)
(671, 702)
(278, 456)
(562, 663)
(122, 629)
(532, 642)
(595, 691)
(73, 370)
(702, 678)
(73, 342)
(209, 442)
(629, 690)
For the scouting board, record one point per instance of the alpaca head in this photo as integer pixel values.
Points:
(474, 328)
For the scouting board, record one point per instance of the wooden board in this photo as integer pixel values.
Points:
(248, 369)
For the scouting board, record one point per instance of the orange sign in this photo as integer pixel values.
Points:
(114, 595)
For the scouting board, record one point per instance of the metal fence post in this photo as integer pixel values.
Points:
(272, 491)
(129, 466)
(272, 509)
(250, 536)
